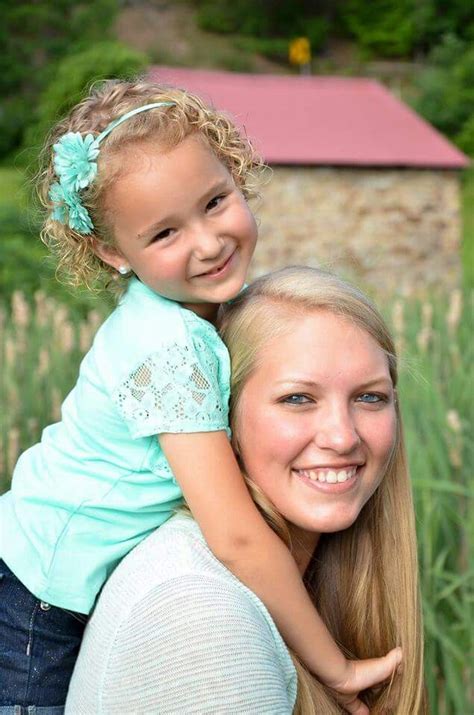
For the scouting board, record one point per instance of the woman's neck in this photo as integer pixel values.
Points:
(303, 544)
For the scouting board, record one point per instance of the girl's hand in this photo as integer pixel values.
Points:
(362, 674)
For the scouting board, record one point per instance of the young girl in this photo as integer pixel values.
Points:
(147, 189)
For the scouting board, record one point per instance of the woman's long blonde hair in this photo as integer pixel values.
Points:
(364, 580)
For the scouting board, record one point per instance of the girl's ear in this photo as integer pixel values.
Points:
(108, 254)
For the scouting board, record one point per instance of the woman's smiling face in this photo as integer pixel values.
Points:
(316, 421)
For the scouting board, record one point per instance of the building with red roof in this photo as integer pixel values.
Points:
(360, 182)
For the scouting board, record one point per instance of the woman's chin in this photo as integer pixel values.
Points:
(328, 522)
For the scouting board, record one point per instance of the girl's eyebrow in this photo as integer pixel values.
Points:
(152, 229)
(214, 189)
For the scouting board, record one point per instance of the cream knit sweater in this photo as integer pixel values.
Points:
(175, 632)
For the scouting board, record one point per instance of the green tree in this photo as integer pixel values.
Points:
(402, 28)
(73, 77)
(269, 20)
(435, 19)
(33, 37)
(23, 259)
(446, 90)
(384, 28)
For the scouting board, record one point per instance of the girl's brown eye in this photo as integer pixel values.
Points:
(214, 202)
(162, 234)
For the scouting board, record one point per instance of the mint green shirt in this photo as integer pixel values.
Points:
(98, 482)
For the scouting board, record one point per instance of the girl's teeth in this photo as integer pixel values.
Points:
(331, 477)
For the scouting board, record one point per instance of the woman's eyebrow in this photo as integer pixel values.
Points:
(382, 380)
(291, 382)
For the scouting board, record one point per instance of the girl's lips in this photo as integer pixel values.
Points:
(218, 272)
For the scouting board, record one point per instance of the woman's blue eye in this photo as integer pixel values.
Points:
(296, 399)
(371, 398)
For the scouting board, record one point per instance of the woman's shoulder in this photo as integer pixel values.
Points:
(180, 604)
(175, 552)
(174, 576)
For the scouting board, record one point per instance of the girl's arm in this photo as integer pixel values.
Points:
(208, 474)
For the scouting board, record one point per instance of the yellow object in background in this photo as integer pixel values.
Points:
(299, 52)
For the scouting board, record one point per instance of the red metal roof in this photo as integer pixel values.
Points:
(321, 120)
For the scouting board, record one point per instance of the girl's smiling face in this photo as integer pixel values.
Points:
(181, 224)
(316, 422)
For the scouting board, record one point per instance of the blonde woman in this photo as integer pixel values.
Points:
(316, 427)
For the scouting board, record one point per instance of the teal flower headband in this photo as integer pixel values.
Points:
(75, 164)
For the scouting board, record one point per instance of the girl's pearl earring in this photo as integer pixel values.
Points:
(123, 270)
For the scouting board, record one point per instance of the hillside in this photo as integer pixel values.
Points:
(169, 33)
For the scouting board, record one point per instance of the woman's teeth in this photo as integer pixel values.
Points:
(328, 475)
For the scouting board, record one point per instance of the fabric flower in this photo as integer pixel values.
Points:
(79, 219)
(74, 160)
(69, 210)
(56, 194)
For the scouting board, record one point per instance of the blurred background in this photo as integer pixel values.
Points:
(422, 51)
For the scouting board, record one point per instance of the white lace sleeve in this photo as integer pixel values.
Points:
(178, 389)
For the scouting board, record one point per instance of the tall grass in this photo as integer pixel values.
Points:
(41, 345)
(436, 392)
(467, 245)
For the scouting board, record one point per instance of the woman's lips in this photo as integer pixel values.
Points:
(330, 480)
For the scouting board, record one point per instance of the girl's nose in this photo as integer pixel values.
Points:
(336, 431)
(207, 244)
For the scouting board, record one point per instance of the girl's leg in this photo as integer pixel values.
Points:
(39, 644)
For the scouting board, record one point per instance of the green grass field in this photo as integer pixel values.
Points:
(468, 227)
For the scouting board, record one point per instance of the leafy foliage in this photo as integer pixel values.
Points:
(268, 20)
(24, 260)
(386, 28)
(33, 37)
(74, 75)
(401, 28)
(446, 89)
(465, 138)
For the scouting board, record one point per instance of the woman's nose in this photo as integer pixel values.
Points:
(336, 430)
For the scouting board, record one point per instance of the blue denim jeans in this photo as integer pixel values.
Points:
(39, 644)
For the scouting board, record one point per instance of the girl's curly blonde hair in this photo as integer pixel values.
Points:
(77, 261)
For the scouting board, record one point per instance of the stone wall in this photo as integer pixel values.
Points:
(395, 230)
